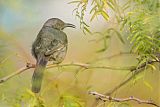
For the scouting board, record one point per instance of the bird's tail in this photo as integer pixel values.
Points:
(38, 75)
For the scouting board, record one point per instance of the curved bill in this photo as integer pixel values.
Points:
(69, 25)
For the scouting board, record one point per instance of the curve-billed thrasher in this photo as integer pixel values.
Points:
(50, 45)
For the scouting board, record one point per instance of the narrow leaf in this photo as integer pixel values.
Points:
(148, 85)
(74, 2)
(94, 15)
(86, 29)
(105, 15)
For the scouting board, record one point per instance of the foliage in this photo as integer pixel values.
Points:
(139, 20)
(139, 17)
(144, 28)
(71, 101)
(29, 99)
(137, 23)
(80, 13)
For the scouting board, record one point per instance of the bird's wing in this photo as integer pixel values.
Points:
(58, 41)
(55, 45)
(48, 41)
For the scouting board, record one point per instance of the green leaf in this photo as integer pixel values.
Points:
(93, 9)
(111, 6)
(125, 8)
(101, 50)
(126, 5)
(135, 37)
(123, 24)
(93, 1)
(148, 85)
(77, 1)
(71, 101)
(30, 93)
(155, 57)
(136, 78)
(86, 29)
(119, 36)
(105, 15)
(85, 24)
(76, 9)
(94, 15)
(152, 66)
(105, 45)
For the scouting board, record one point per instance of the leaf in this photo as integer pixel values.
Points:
(111, 6)
(98, 4)
(125, 8)
(136, 37)
(126, 5)
(105, 46)
(93, 1)
(101, 50)
(94, 15)
(148, 85)
(117, 33)
(85, 24)
(30, 93)
(138, 77)
(76, 9)
(77, 1)
(105, 15)
(152, 66)
(155, 57)
(86, 29)
(77, 15)
(123, 24)
(105, 3)
(71, 101)
(119, 36)
(85, 1)
(93, 9)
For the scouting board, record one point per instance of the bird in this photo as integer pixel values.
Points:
(50, 45)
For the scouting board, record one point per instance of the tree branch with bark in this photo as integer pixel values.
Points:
(133, 69)
(77, 64)
(105, 98)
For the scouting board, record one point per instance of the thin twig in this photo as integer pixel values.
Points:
(113, 99)
(136, 70)
(88, 66)
(82, 65)
(28, 66)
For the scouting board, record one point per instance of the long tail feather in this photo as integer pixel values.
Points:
(38, 75)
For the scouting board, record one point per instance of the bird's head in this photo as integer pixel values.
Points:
(57, 24)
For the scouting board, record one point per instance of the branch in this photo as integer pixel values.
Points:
(28, 66)
(136, 71)
(82, 65)
(113, 99)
